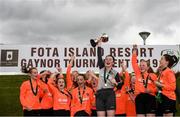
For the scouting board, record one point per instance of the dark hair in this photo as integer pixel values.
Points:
(171, 59)
(25, 69)
(111, 56)
(42, 71)
(82, 76)
(46, 78)
(75, 71)
(30, 69)
(147, 62)
(142, 60)
(150, 70)
(56, 81)
(57, 75)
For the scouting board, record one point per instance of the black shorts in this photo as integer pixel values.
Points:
(81, 113)
(120, 115)
(145, 103)
(46, 112)
(94, 113)
(167, 105)
(31, 113)
(105, 100)
(61, 113)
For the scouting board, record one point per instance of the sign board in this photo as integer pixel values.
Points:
(48, 57)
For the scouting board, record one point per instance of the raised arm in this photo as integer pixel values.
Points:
(124, 73)
(99, 53)
(134, 61)
(69, 81)
(59, 69)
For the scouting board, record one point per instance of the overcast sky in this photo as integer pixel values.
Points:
(77, 21)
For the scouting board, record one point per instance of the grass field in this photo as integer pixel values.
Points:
(9, 95)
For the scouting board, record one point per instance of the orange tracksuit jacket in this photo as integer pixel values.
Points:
(69, 81)
(94, 100)
(121, 96)
(94, 95)
(139, 87)
(86, 100)
(168, 80)
(27, 98)
(47, 99)
(130, 107)
(60, 100)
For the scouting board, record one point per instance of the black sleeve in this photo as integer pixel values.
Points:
(100, 60)
(119, 80)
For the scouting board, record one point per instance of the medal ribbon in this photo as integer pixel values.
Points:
(105, 78)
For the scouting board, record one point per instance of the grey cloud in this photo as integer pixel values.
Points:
(74, 22)
(157, 15)
(57, 21)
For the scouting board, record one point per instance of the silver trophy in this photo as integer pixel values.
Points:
(104, 39)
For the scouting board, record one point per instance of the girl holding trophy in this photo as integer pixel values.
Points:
(108, 79)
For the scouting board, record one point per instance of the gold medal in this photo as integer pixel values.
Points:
(105, 85)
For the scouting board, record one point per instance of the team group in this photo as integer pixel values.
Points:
(111, 93)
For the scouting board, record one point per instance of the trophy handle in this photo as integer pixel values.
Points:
(103, 38)
(93, 43)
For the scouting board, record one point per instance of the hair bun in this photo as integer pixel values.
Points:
(174, 60)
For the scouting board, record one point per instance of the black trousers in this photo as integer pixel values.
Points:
(145, 103)
(167, 106)
(46, 112)
(81, 114)
(31, 113)
(120, 115)
(61, 113)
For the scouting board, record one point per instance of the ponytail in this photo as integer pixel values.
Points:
(175, 60)
(171, 59)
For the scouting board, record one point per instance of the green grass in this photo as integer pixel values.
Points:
(9, 95)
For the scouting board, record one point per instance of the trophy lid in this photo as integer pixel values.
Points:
(105, 37)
